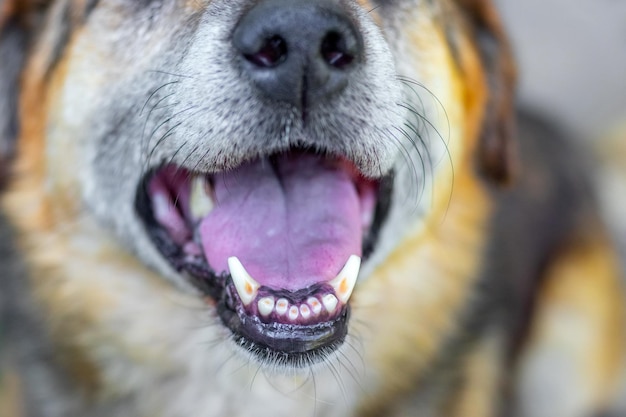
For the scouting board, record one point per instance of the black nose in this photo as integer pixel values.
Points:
(298, 51)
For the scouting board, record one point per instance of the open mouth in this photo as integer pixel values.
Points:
(276, 244)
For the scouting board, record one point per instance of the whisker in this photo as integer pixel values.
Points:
(427, 160)
(153, 94)
(373, 9)
(171, 74)
(406, 155)
(333, 370)
(358, 353)
(423, 165)
(193, 151)
(351, 370)
(258, 368)
(410, 83)
(177, 152)
(167, 134)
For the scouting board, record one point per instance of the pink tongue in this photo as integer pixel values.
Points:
(291, 225)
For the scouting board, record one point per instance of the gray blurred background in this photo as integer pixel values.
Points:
(572, 60)
(572, 68)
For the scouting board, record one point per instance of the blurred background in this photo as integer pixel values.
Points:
(572, 60)
(572, 69)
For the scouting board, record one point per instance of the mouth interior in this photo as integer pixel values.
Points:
(292, 220)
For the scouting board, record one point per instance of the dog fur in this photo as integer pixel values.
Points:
(493, 288)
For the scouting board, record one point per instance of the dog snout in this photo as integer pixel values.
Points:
(298, 51)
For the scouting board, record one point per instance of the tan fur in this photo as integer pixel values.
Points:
(482, 374)
(429, 311)
(579, 327)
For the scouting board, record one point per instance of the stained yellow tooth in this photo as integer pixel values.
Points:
(315, 305)
(345, 281)
(266, 306)
(281, 306)
(330, 302)
(293, 313)
(246, 286)
(305, 311)
(200, 203)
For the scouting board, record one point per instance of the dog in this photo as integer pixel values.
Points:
(292, 207)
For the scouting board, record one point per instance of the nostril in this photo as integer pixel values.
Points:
(272, 53)
(335, 51)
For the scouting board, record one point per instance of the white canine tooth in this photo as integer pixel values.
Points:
(345, 281)
(293, 313)
(266, 306)
(316, 306)
(330, 302)
(246, 286)
(200, 203)
(281, 306)
(305, 311)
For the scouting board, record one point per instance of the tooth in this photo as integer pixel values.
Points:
(315, 305)
(200, 203)
(293, 313)
(161, 205)
(330, 302)
(281, 306)
(246, 286)
(345, 281)
(305, 311)
(266, 305)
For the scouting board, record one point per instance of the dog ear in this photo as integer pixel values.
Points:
(497, 149)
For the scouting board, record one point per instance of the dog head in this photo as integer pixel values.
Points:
(265, 155)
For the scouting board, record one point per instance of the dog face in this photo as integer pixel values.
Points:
(267, 158)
